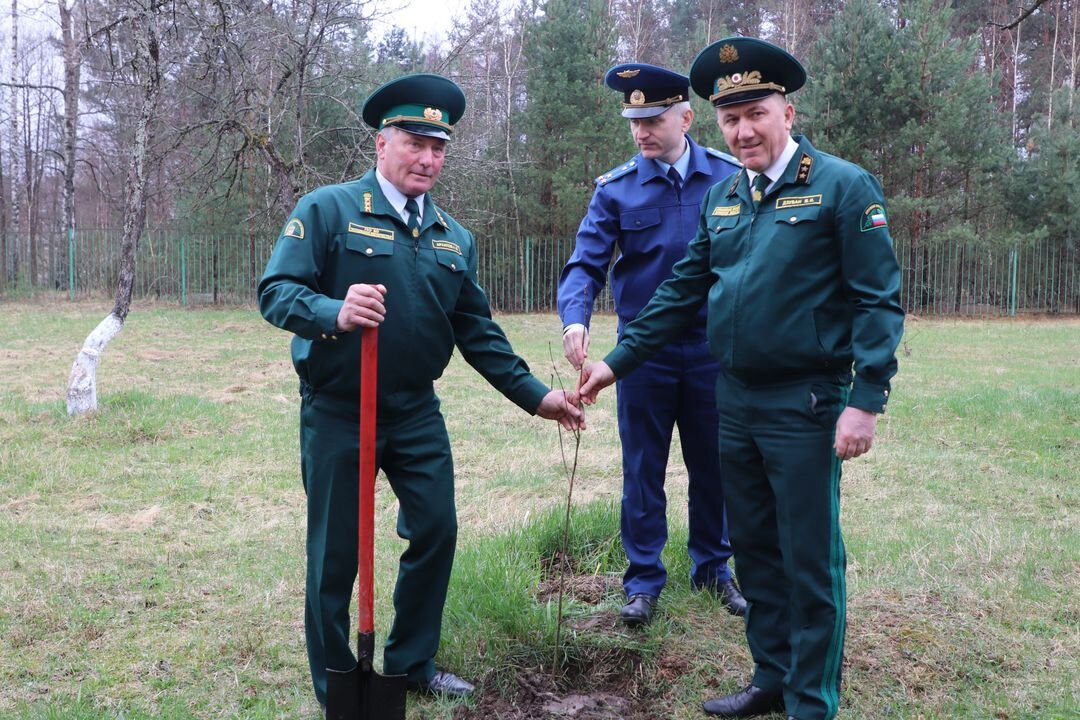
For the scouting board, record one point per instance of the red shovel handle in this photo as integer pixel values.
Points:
(369, 363)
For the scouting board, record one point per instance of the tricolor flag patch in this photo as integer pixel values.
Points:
(874, 217)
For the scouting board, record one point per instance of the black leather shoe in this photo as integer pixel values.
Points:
(444, 683)
(731, 597)
(751, 701)
(728, 594)
(638, 609)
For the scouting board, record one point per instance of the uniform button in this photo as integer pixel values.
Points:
(324, 336)
(453, 266)
(793, 219)
(369, 251)
(333, 337)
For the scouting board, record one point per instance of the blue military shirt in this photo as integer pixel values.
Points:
(636, 211)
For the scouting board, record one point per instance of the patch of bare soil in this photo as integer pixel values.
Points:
(601, 681)
(537, 697)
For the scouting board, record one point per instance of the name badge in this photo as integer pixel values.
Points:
(380, 233)
(726, 210)
(795, 202)
(446, 245)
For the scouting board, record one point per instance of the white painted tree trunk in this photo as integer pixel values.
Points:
(82, 383)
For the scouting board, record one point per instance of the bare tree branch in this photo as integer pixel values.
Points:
(1023, 16)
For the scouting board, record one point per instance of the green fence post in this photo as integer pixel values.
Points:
(71, 263)
(1012, 285)
(183, 270)
(528, 277)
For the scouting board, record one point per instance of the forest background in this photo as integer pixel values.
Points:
(966, 111)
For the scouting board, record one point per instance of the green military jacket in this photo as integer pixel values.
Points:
(805, 283)
(340, 235)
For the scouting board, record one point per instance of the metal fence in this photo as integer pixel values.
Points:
(521, 275)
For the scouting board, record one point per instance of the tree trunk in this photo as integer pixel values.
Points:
(14, 144)
(72, 64)
(82, 383)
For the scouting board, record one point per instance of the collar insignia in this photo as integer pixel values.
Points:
(805, 165)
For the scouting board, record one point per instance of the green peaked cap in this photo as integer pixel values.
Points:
(423, 104)
(739, 69)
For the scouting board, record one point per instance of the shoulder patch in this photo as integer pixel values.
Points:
(294, 229)
(616, 173)
(724, 156)
(873, 217)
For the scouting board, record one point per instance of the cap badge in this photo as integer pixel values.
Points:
(728, 54)
(735, 80)
(433, 114)
(628, 73)
(637, 98)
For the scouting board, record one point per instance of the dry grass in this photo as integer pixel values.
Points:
(151, 556)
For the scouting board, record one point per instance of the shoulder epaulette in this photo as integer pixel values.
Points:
(724, 156)
(616, 173)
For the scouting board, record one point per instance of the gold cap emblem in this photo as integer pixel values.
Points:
(728, 54)
(628, 73)
(433, 114)
(637, 98)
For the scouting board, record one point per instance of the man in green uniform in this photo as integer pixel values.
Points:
(379, 252)
(794, 257)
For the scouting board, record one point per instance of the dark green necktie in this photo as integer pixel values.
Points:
(414, 216)
(760, 183)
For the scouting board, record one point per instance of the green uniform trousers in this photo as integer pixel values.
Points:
(782, 487)
(413, 449)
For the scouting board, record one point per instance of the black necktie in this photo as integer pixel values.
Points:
(760, 183)
(414, 216)
(675, 177)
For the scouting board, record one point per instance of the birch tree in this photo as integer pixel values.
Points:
(72, 66)
(14, 143)
(146, 68)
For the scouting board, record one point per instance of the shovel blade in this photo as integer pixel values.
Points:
(364, 695)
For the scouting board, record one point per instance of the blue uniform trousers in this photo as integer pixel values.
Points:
(413, 449)
(782, 480)
(675, 387)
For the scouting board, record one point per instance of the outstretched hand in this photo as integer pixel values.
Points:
(563, 407)
(594, 378)
(575, 343)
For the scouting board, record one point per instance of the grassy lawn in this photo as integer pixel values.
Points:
(151, 556)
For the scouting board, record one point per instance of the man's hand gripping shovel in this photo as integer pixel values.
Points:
(362, 693)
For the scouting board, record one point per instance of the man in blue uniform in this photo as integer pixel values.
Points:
(794, 259)
(646, 212)
(379, 252)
